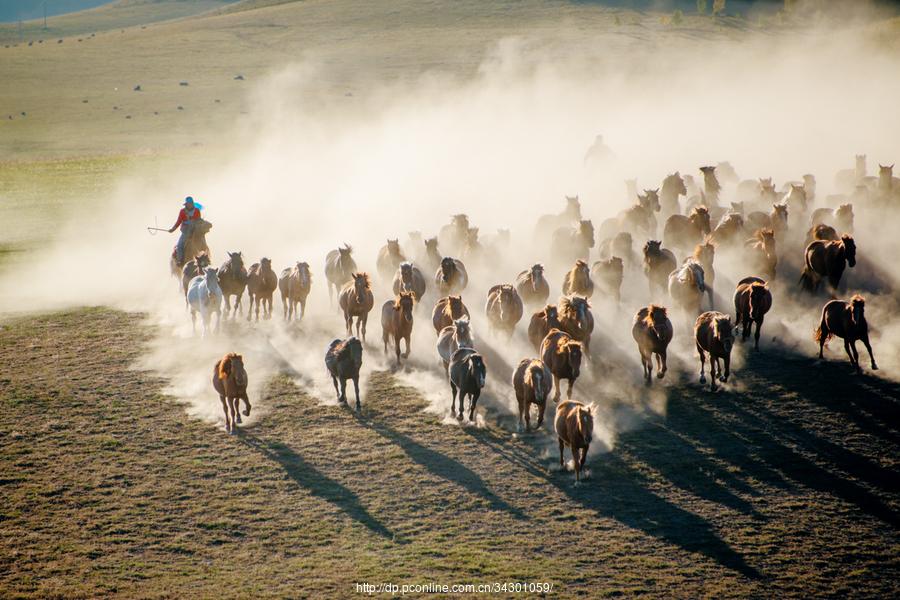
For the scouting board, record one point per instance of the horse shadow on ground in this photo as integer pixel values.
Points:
(307, 477)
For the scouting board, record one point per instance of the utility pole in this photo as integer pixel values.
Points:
(45, 15)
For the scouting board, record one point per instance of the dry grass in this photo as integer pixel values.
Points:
(109, 489)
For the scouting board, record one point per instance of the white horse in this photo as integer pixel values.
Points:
(687, 286)
(205, 296)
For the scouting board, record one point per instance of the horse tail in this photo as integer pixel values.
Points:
(822, 334)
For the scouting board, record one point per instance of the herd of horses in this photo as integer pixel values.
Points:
(758, 226)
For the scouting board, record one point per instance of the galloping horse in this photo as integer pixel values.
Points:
(339, 269)
(846, 320)
(827, 260)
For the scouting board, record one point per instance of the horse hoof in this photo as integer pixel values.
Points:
(702, 379)
(722, 379)
(874, 367)
(661, 374)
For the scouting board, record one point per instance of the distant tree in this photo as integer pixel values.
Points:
(677, 17)
(701, 7)
(718, 7)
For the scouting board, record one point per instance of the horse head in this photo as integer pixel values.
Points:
(551, 315)
(236, 261)
(406, 272)
(472, 235)
(652, 248)
(477, 369)
(700, 219)
(780, 213)
(758, 293)
(535, 375)
(303, 273)
(455, 304)
(586, 232)
(393, 247)
(650, 200)
(360, 285)
(857, 309)
(674, 184)
(448, 269)
(354, 348)
(584, 419)
(463, 332)
(573, 208)
(537, 275)
(849, 247)
(573, 352)
(723, 331)
(404, 303)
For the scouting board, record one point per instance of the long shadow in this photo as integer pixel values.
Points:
(315, 482)
(443, 466)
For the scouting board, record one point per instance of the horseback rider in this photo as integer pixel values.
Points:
(187, 216)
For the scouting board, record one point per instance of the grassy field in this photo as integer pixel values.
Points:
(788, 489)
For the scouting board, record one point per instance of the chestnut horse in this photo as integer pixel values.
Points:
(230, 382)
(578, 280)
(261, 285)
(233, 281)
(827, 260)
(541, 323)
(339, 269)
(467, 377)
(658, 263)
(343, 359)
(574, 425)
(762, 257)
(356, 300)
(575, 319)
(846, 320)
(532, 382)
(714, 333)
(752, 300)
(532, 286)
(562, 355)
(294, 285)
(609, 274)
(446, 310)
(652, 331)
(397, 322)
(777, 220)
(504, 308)
(389, 258)
(451, 276)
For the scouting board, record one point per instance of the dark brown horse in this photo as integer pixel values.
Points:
(233, 281)
(446, 310)
(409, 278)
(451, 277)
(356, 300)
(575, 318)
(343, 359)
(294, 285)
(578, 280)
(532, 381)
(827, 260)
(397, 322)
(562, 355)
(261, 285)
(687, 231)
(652, 331)
(230, 382)
(389, 258)
(823, 232)
(752, 300)
(574, 425)
(658, 263)
(532, 286)
(339, 269)
(467, 376)
(504, 308)
(191, 269)
(609, 275)
(714, 333)
(541, 323)
(846, 320)
(761, 254)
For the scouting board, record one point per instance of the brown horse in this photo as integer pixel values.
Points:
(446, 310)
(578, 280)
(672, 187)
(711, 185)
(752, 300)
(451, 277)
(452, 338)
(467, 374)
(547, 224)
(261, 284)
(541, 323)
(532, 382)
(761, 254)
(686, 232)
(389, 258)
(409, 278)
(532, 286)
(343, 359)
(195, 244)
(658, 263)
(294, 285)
(714, 333)
(504, 308)
(562, 354)
(609, 274)
(777, 220)
(827, 260)
(576, 319)
(705, 254)
(652, 331)
(823, 232)
(571, 243)
(397, 322)
(356, 300)
(339, 269)
(686, 286)
(233, 281)
(638, 219)
(841, 217)
(729, 230)
(230, 382)
(846, 320)
(432, 258)
(621, 245)
(574, 425)
(191, 269)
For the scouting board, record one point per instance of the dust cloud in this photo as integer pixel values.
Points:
(504, 146)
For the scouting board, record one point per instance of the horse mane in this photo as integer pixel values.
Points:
(763, 233)
(717, 323)
(365, 276)
(225, 364)
(700, 210)
(856, 299)
(566, 305)
(652, 312)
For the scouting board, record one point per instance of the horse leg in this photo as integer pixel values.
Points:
(541, 409)
(227, 304)
(865, 340)
(250, 308)
(397, 349)
(556, 388)
(406, 354)
(472, 405)
(356, 391)
(584, 453)
(713, 363)
(302, 308)
(849, 352)
(756, 335)
(702, 363)
(336, 390)
(365, 319)
(661, 363)
(193, 322)
(823, 335)
(453, 400)
(225, 410)
(726, 361)
(236, 409)
(285, 313)
(569, 390)
(343, 397)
